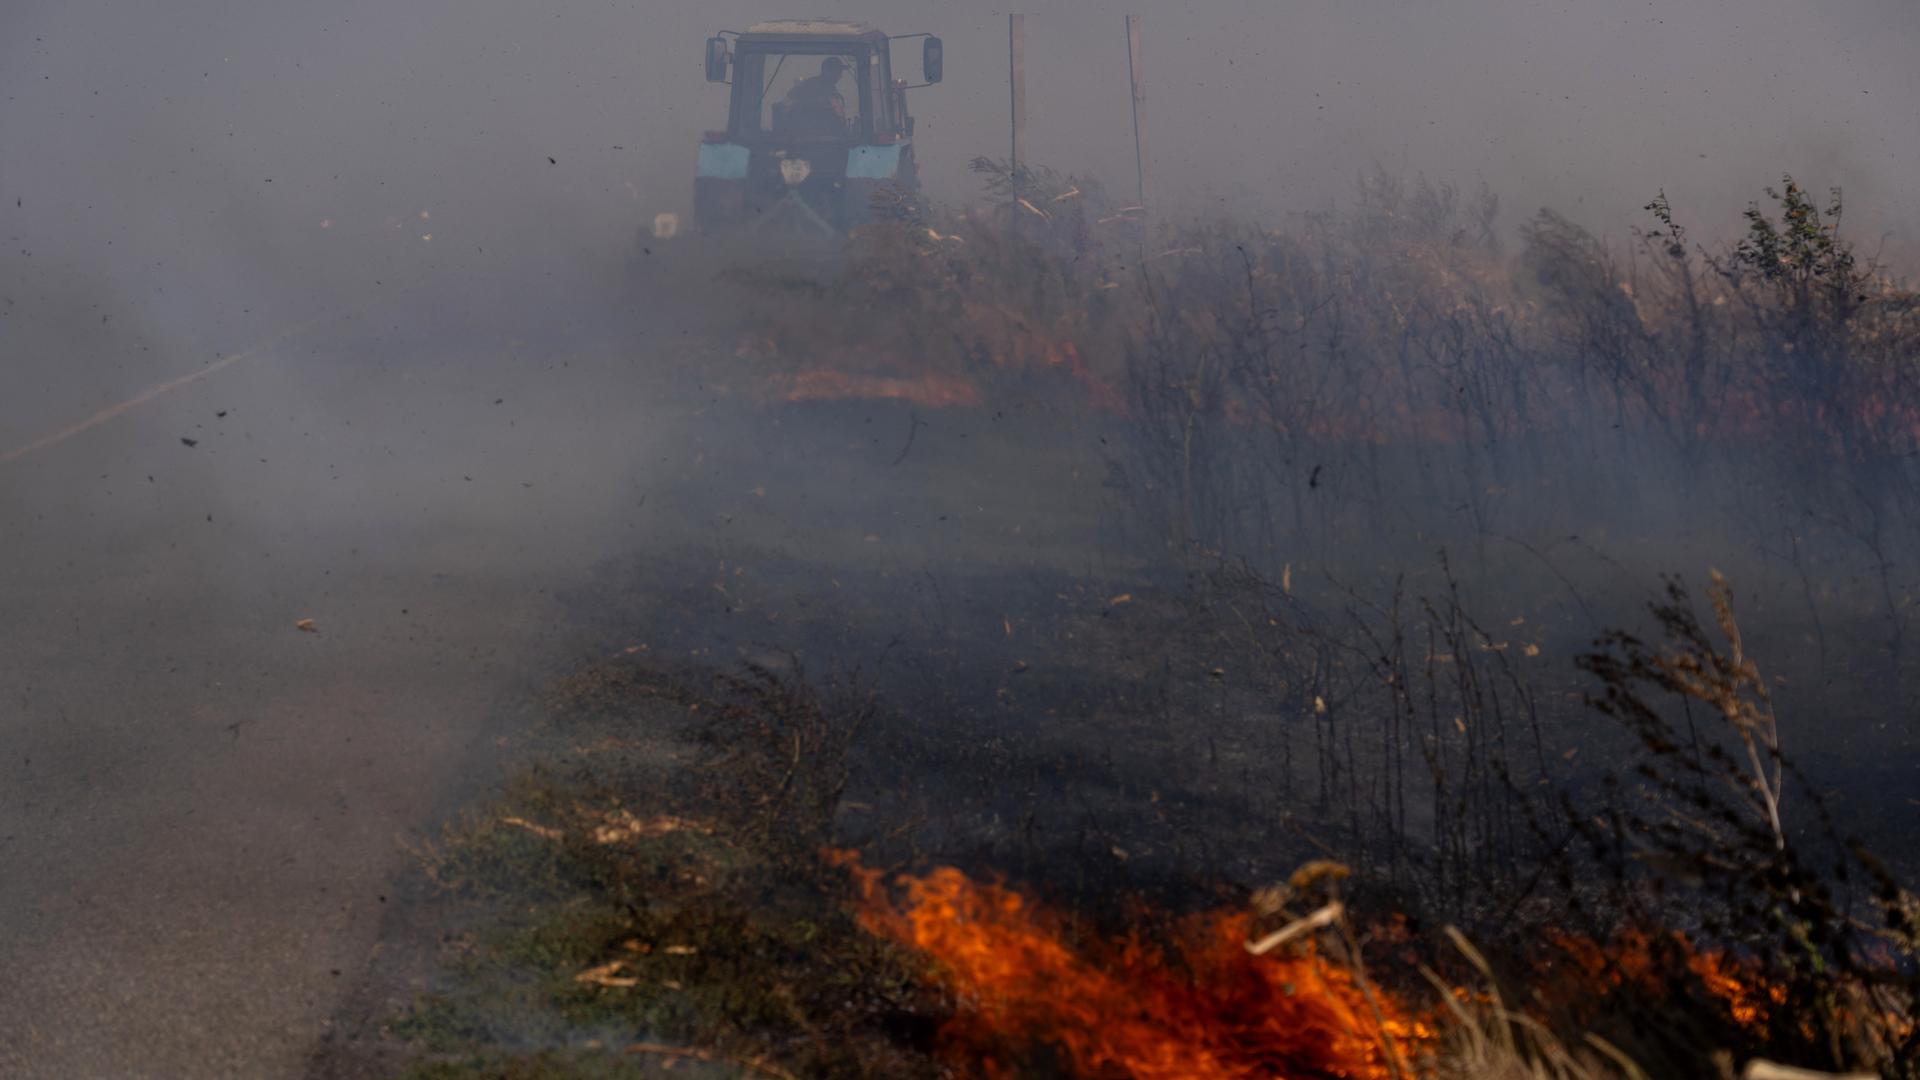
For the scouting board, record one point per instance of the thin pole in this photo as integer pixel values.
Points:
(1017, 72)
(1137, 75)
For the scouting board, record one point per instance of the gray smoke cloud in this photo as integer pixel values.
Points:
(180, 140)
(446, 189)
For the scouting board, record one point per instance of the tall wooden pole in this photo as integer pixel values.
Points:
(1138, 76)
(1017, 73)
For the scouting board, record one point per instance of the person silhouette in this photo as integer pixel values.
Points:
(815, 102)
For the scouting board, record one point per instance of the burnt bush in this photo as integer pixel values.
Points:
(1356, 388)
(1701, 833)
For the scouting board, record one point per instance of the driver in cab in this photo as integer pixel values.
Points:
(815, 105)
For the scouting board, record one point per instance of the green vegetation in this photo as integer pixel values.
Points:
(644, 904)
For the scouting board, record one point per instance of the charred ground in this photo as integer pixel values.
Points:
(1143, 567)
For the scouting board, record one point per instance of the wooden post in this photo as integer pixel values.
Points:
(1138, 78)
(1017, 73)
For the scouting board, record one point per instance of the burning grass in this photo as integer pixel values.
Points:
(1200, 1004)
(657, 902)
(631, 931)
(1034, 993)
(1248, 678)
(1635, 963)
(926, 390)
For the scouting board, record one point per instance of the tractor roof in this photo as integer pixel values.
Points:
(821, 27)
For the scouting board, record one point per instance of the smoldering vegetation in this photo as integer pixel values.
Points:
(1555, 591)
(1134, 561)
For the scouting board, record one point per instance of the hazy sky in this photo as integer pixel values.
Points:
(214, 136)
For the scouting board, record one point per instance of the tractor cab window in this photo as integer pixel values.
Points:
(802, 95)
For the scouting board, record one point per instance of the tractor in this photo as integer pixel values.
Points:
(817, 128)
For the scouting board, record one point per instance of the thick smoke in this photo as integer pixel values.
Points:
(412, 223)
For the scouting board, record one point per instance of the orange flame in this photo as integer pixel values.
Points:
(928, 389)
(1637, 958)
(1206, 1008)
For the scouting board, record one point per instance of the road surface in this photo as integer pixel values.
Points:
(201, 794)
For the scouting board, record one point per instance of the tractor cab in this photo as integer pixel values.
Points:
(817, 126)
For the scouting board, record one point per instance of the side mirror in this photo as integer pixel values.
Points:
(930, 60)
(717, 59)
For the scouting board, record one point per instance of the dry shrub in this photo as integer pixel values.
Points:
(1293, 395)
(778, 750)
(1694, 837)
